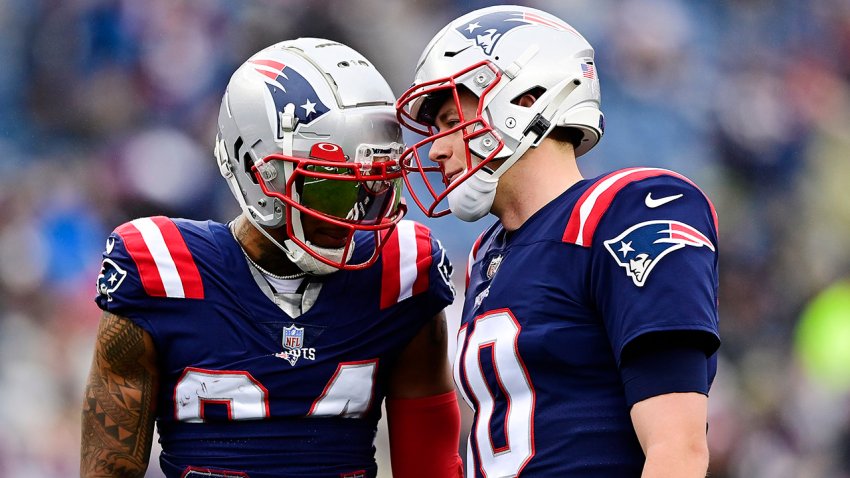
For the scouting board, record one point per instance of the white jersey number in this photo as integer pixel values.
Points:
(502, 384)
(348, 393)
(244, 397)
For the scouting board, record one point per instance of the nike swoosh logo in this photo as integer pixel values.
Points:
(653, 203)
(110, 244)
(451, 54)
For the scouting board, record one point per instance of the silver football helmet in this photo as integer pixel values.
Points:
(307, 128)
(498, 54)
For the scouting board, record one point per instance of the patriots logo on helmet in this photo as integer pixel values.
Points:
(287, 86)
(639, 248)
(488, 29)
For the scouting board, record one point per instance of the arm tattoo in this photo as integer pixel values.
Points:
(118, 409)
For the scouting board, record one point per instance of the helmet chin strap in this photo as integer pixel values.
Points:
(304, 260)
(310, 264)
(473, 198)
(300, 257)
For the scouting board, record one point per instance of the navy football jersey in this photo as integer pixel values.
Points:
(550, 307)
(247, 390)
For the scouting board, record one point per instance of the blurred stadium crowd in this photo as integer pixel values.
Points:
(108, 111)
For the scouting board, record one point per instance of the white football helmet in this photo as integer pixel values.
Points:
(499, 54)
(307, 128)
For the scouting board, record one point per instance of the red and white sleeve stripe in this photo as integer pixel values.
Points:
(165, 264)
(471, 259)
(406, 262)
(591, 206)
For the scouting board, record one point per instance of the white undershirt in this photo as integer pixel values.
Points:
(284, 286)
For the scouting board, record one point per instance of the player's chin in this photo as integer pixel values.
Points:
(330, 239)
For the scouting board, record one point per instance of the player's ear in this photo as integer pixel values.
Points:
(526, 100)
(529, 97)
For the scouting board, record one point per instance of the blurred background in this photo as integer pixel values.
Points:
(108, 111)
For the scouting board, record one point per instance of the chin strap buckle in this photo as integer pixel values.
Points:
(288, 121)
(539, 125)
(220, 151)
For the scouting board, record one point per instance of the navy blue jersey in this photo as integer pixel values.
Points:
(551, 306)
(247, 390)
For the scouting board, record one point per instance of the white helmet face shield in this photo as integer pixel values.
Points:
(346, 196)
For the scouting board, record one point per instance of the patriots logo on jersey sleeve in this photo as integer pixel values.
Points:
(288, 86)
(639, 248)
(110, 278)
(488, 29)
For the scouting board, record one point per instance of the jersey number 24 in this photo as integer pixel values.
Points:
(348, 393)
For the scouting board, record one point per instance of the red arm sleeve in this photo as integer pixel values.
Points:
(424, 436)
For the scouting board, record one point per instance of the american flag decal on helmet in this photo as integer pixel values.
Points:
(588, 71)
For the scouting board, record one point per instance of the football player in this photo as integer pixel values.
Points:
(265, 347)
(589, 333)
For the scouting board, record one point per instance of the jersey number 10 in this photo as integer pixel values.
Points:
(492, 378)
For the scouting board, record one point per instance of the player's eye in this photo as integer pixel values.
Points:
(449, 123)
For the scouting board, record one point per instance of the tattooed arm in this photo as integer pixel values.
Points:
(119, 404)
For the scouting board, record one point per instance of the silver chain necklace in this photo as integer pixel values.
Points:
(297, 275)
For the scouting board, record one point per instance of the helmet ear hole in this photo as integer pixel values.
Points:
(536, 92)
(247, 163)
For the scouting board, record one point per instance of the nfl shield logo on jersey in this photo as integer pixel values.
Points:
(493, 267)
(293, 337)
(293, 340)
(293, 345)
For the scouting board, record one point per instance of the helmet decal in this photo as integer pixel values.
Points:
(287, 86)
(488, 29)
(588, 71)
